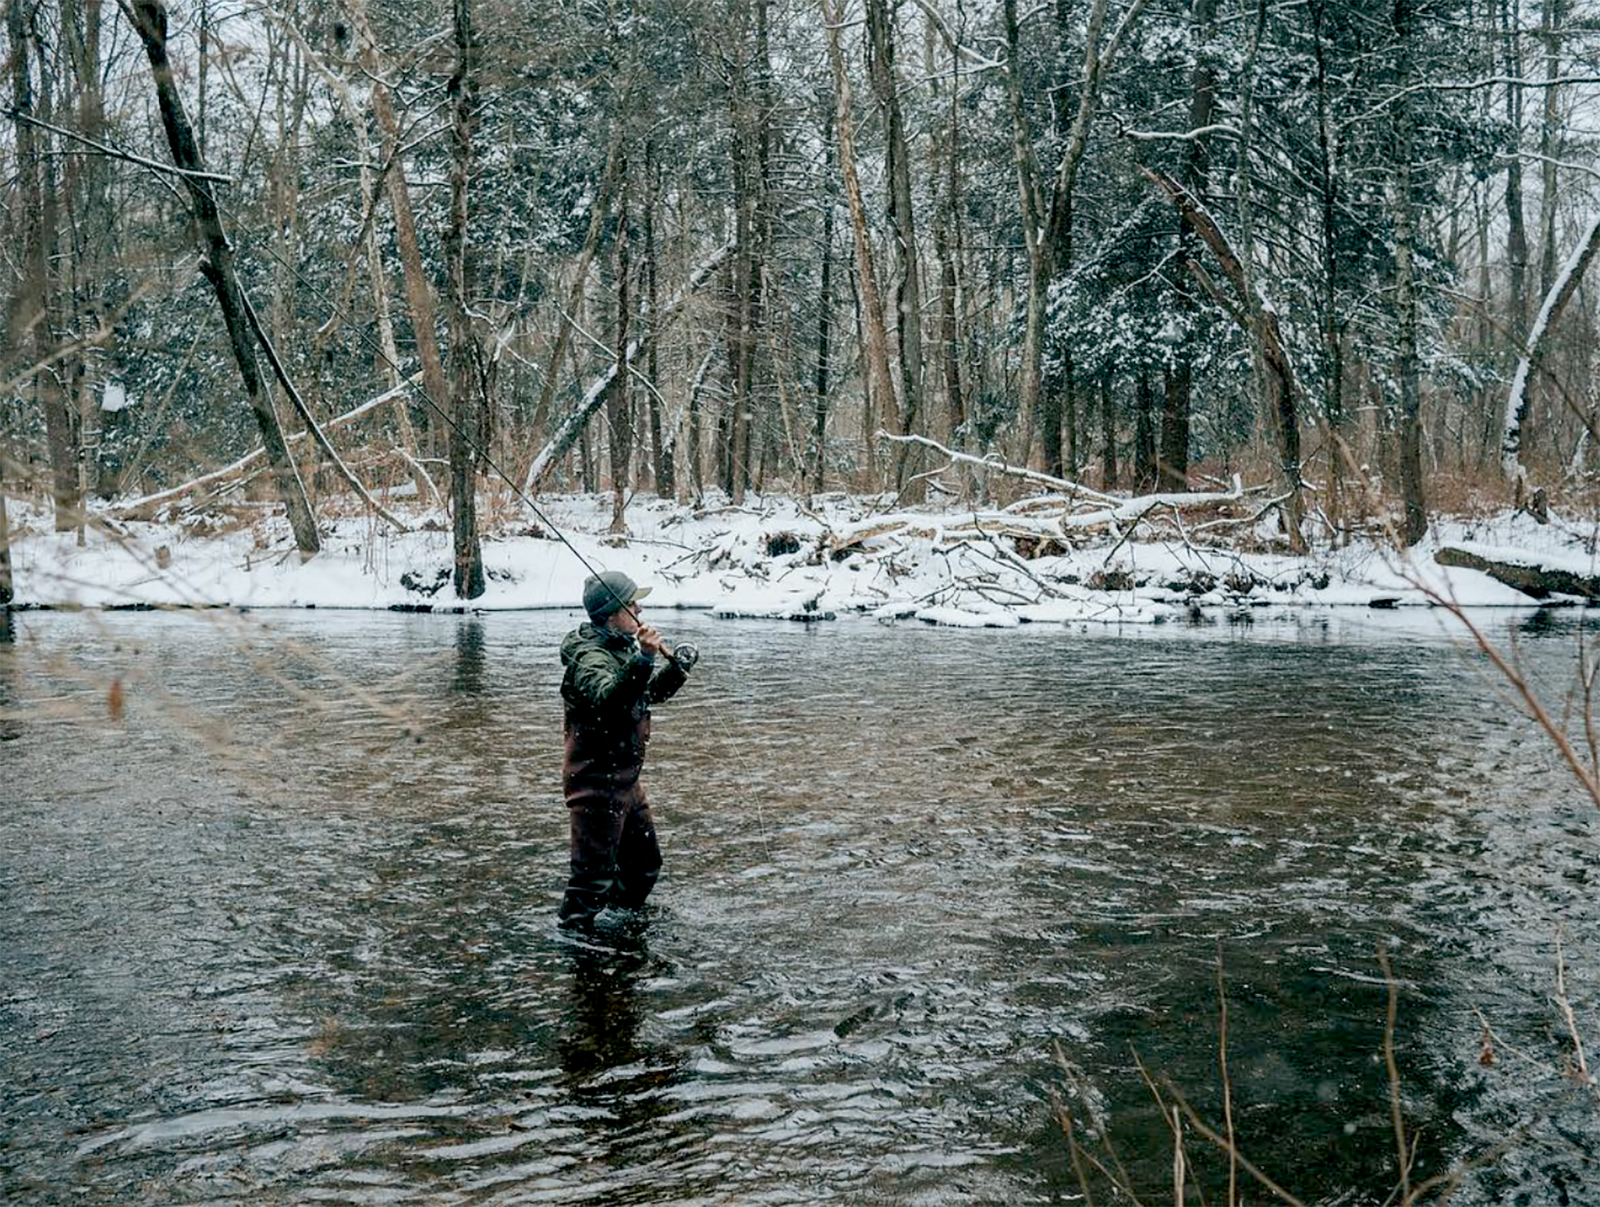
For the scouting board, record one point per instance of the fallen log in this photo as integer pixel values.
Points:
(1532, 575)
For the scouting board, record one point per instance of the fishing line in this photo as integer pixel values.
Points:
(370, 345)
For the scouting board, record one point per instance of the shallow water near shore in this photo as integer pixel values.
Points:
(277, 914)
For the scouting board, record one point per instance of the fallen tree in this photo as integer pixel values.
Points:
(1530, 574)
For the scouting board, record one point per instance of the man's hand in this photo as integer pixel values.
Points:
(651, 642)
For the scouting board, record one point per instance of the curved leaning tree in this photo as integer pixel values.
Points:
(149, 19)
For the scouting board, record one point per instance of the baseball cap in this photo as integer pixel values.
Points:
(610, 592)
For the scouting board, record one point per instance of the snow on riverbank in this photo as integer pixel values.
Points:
(772, 557)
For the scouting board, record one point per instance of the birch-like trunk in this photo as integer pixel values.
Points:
(1562, 289)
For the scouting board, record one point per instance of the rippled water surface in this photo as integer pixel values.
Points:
(275, 916)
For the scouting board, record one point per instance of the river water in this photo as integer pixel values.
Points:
(275, 916)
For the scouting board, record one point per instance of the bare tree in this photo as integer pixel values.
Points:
(33, 319)
(902, 225)
(879, 385)
(149, 19)
(466, 374)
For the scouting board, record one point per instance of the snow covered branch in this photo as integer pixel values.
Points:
(1561, 291)
(570, 428)
(994, 463)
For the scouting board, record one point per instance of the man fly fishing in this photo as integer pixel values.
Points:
(611, 677)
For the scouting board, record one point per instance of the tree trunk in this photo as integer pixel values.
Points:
(1172, 463)
(947, 238)
(1196, 178)
(466, 392)
(1144, 436)
(879, 385)
(1516, 221)
(150, 19)
(7, 589)
(32, 321)
(824, 335)
(1329, 324)
(1408, 369)
(1035, 233)
(1108, 434)
(742, 302)
(1562, 289)
(418, 290)
(93, 225)
(1550, 16)
(902, 226)
(618, 395)
(660, 454)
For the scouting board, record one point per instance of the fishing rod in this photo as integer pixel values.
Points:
(479, 451)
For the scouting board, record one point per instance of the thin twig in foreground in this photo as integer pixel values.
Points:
(1391, 1013)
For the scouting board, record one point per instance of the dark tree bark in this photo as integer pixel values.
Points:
(1108, 434)
(902, 226)
(660, 453)
(1516, 218)
(7, 591)
(150, 20)
(743, 312)
(1144, 436)
(1330, 327)
(617, 396)
(1408, 369)
(1175, 415)
(880, 386)
(466, 391)
(819, 433)
(92, 228)
(1172, 465)
(33, 321)
(947, 246)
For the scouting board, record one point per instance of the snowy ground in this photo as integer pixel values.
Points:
(773, 557)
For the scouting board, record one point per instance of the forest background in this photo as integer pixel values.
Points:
(480, 248)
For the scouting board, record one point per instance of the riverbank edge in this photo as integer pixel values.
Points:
(773, 558)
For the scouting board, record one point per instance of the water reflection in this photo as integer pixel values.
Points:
(10, 719)
(1544, 621)
(471, 659)
(902, 865)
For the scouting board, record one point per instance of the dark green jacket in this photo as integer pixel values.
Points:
(608, 686)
